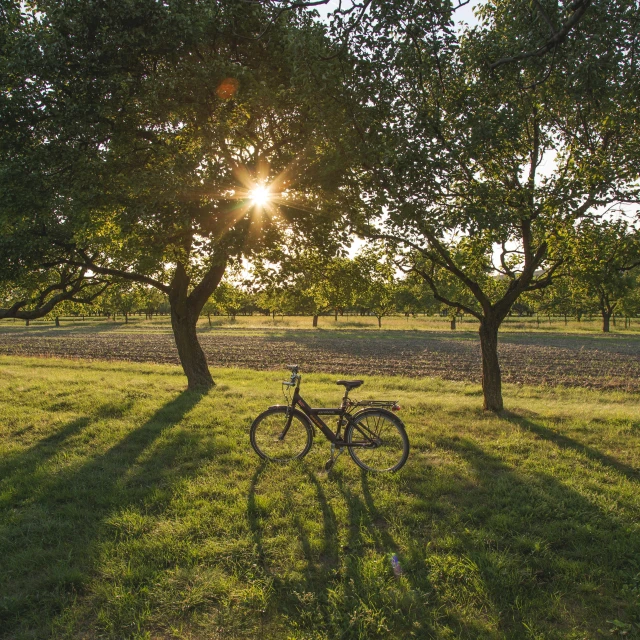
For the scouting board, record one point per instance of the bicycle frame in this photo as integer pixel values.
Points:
(297, 401)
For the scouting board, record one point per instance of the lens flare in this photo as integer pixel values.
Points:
(259, 196)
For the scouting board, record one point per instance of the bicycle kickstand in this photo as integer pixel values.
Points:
(334, 457)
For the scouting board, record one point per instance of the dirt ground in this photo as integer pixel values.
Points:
(611, 362)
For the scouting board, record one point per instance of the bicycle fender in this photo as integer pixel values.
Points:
(380, 410)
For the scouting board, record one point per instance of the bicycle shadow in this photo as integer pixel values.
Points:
(319, 560)
(336, 575)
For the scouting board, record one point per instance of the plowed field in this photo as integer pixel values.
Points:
(589, 361)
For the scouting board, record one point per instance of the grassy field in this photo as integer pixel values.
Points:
(130, 508)
(327, 323)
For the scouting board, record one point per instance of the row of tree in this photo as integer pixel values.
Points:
(602, 278)
(133, 138)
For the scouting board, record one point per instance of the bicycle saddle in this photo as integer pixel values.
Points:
(350, 384)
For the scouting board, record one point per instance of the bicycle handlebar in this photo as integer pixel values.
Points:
(295, 376)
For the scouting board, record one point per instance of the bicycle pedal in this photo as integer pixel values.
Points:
(328, 465)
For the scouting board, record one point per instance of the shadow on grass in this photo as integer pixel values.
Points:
(63, 330)
(318, 562)
(548, 556)
(345, 588)
(50, 533)
(564, 442)
(24, 463)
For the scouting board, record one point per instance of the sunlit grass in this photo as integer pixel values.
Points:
(466, 324)
(130, 508)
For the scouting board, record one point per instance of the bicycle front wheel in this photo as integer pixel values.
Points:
(270, 440)
(379, 440)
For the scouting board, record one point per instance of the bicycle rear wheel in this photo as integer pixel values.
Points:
(381, 441)
(271, 443)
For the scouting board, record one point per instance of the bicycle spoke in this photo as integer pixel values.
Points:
(268, 439)
(388, 444)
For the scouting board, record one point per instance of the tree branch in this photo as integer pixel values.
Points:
(579, 7)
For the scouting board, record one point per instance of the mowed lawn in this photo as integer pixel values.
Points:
(131, 508)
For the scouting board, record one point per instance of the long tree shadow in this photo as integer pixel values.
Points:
(21, 465)
(564, 442)
(531, 537)
(48, 538)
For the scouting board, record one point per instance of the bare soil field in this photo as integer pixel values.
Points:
(604, 362)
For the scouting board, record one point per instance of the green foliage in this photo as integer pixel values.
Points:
(604, 259)
(228, 299)
(378, 288)
(476, 172)
(143, 126)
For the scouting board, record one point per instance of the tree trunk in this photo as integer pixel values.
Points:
(126, 318)
(185, 311)
(606, 316)
(209, 317)
(192, 358)
(315, 321)
(335, 314)
(453, 323)
(379, 322)
(491, 376)
(57, 321)
(27, 322)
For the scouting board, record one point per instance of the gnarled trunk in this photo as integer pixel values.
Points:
(491, 376)
(192, 358)
(185, 311)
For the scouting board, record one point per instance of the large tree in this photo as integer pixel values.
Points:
(475, 171)
(134, 136)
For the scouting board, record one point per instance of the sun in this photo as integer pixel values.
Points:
(259, 195)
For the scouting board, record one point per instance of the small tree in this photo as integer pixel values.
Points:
(377, 288)
(229, 299)
(603, 256)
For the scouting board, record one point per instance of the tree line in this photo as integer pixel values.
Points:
(604, 282)
(493, 161)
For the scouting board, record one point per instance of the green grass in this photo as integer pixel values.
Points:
(130, 508)
(544, 325)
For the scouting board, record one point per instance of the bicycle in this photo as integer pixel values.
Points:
(374, 436)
